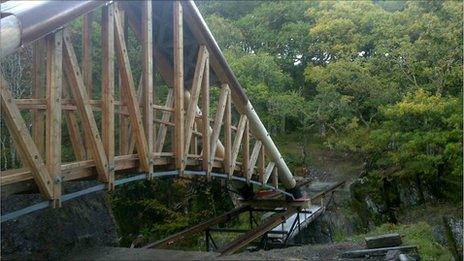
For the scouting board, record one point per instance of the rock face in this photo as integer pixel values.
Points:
(454, 227)
(53, 233)
(335, 222)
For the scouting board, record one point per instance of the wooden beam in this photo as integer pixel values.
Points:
(228, 137)
(29, 153)
(178, 85)
(246, 151)
(195, 138)
(148, 90)
(140, 91)
(87, 65)
(108, 88)
(38, 82)
(194, 95)
(205, 137)
(238, 140)
(261, 164)
(166, 117)
(87, 52)
(267, 173)
(386, 240)
(275, 178)
(131, 97)
(85, 110)
(123, 122)
(254, 158)
(53, 119)
(223, 96)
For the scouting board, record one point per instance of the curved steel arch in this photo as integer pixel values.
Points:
(100, 187)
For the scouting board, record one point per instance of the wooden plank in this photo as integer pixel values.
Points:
(133, 107)
(147, 74)
(82, 101)
(29, 153)
(53, 119)
(205, 134)
(377, 251)
(228, 137)
(218, 121)
(267, 173)
(238, 140)
(387, 240)
(254, 158)
(166, 117)
(194, 95)
(108, 88)
(246, 151)
(38, 82)
(178, 85)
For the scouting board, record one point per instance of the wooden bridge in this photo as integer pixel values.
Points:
(176, 109)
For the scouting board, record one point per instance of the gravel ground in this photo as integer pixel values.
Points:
(308, 252)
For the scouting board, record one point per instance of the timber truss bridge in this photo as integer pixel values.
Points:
(117, 122)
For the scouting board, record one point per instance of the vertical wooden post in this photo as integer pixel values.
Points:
(108, 89)
(178, 86)
(228, 137)
(87, 66)
(246, 151)
(148, 91)
(38, 123)
(195, 140)
(123, 122)
(53, 119)
(205, 120)
(87, 53)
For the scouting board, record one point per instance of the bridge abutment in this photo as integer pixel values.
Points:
(53, 233)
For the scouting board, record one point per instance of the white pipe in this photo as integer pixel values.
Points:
(285, 175)
(10, 35)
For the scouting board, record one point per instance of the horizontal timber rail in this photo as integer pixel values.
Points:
(45, 204)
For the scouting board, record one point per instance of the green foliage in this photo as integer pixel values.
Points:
(162, 207)
(380, 79)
